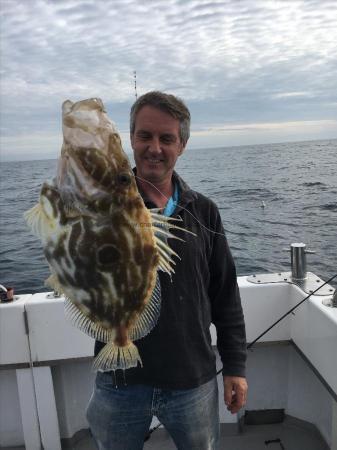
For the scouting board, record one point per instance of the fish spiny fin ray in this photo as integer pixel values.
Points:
(161, 226)
(81, 321)
(166, 222)
(149, 317)
(160, 231)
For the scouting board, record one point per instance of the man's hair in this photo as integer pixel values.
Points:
(167, 103)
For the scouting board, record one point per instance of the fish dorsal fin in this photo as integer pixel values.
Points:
(161, 226)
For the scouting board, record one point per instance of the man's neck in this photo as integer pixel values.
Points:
(158, 193)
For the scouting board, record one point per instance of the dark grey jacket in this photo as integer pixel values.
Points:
(177, 354)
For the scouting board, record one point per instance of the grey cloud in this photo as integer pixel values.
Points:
(232, 60)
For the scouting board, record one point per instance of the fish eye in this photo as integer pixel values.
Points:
(124, 179)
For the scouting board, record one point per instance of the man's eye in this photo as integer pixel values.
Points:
(167, 139)
(144, 137)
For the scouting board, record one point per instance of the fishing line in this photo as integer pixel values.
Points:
(189, 212)
(249, 346)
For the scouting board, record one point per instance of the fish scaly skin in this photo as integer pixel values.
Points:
(98, 237)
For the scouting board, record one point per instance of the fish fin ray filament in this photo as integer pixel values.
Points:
(147, 320)
(113, 357)
(38, 222)
(82, 322)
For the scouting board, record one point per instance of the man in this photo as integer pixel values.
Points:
(178, 381)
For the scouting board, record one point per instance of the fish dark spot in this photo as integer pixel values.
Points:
(74, 237)
(108, 255)
(138, 254)
(60, 251)
(124, 179)
(102, 204)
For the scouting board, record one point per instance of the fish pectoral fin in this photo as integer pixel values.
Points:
(38, 221)
(113, 357)
(54, 283)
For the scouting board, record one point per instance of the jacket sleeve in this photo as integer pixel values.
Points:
(227, 314)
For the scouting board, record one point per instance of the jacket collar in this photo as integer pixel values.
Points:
(186, 194)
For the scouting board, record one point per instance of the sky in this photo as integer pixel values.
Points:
(250, 71)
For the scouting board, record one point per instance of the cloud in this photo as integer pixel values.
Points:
(251, 59)
(309, 124)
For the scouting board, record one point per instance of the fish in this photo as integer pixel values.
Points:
(103, 246)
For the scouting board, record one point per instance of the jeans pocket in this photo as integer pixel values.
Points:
(104, 380)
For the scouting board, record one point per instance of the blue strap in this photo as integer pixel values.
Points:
(172, 202)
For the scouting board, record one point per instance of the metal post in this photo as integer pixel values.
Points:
(298, 261)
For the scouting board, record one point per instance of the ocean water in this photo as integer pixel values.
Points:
(296, 181)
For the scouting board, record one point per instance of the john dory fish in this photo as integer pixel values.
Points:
(103, 245)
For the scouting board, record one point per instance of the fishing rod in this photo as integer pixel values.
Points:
(251, 344)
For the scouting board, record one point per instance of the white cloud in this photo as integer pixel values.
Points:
(279, 56)
(263, 133)
(291, 94)
(269, 126)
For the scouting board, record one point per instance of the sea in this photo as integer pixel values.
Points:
(269, 196)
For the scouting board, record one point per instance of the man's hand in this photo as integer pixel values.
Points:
(235, 393)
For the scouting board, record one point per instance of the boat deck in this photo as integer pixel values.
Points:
(291, 375)
(291, 434)
(253, 437)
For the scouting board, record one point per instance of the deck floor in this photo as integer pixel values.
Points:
(254, 437)
(288, 435)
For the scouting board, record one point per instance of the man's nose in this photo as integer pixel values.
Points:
(155, 145)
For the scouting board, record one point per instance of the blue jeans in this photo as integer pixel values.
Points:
(120, 418)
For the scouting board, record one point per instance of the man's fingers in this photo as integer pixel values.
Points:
(228, 392)
(240, 396)
(235, 393)
(228, 396)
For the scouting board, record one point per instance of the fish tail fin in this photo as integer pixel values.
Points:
(113, 357)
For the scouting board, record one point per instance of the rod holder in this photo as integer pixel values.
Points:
(298, 261)
(334, 299)
(331, 302)
(298, 253)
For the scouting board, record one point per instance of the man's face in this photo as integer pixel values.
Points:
(156, 144)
